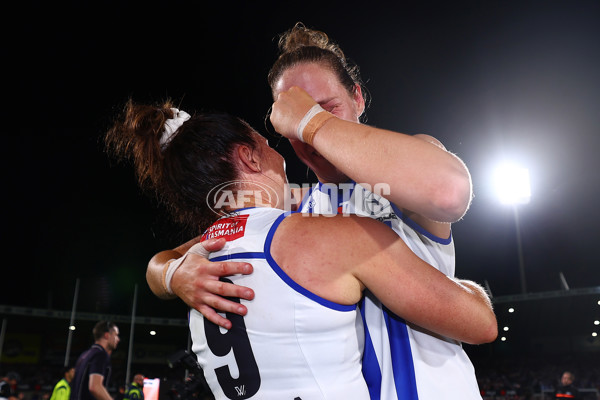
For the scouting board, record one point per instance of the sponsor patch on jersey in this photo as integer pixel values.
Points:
(230, 228)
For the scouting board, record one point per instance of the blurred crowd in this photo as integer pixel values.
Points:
(499, 379)
(536, 377)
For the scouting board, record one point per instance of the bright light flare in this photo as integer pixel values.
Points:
(512, 184)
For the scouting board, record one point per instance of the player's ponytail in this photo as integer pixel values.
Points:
(181, 169)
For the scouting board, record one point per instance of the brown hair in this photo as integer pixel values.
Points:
(303, 45)
(101, 328)
(196, 160)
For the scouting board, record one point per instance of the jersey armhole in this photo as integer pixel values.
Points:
(418, 228)
(289, 281)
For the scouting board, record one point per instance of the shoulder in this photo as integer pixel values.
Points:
(315, 235)
(96, 349)
(99, 354)
(330, 225)
(321, 253)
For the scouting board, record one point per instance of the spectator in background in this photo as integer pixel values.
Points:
(62, 390)
(135, 391)
(566, 390)
(8, 387)
(121, 393)
(6, 391)
(92, 370)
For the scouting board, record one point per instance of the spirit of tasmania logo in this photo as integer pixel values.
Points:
(230, 228)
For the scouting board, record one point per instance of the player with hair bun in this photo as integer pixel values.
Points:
(299, 338)
(319, 99)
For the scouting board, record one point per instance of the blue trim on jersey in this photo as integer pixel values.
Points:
(403, 369)
(370, 366)
(418, 228)
(328, 190)
(248, 254)
(307, 196)
(401, 355)
(330, 187)
(284, 277)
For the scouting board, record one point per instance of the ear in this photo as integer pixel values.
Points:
(359, 100)
(249, 160)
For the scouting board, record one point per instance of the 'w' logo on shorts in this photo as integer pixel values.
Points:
(241, 390)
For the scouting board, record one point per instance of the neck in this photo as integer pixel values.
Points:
(335, 178)
(253, 194)
(104, 345)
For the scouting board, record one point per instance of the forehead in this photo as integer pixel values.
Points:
(318, 81)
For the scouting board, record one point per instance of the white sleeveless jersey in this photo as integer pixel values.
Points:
(292, 344)
(400, 361)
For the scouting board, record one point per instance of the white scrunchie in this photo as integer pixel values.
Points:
(171, 126)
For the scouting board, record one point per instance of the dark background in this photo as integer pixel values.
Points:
(490, 79)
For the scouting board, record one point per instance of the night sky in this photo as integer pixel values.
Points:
(490, 79)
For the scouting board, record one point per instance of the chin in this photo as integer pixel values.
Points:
(325, 170)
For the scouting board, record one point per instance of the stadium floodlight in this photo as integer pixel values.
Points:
(513, 188)
(512, 184)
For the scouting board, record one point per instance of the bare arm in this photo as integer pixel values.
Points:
(97, 388)
(157, 264)
(428, 298)
(346, 254)
(197, 282)
(423, 177)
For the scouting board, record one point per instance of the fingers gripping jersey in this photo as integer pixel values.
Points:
(401, 361)
(292, 344)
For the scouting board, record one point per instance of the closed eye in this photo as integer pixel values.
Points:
(330, 107)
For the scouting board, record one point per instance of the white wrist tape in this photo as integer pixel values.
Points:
(195, 249)
(306, 119)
